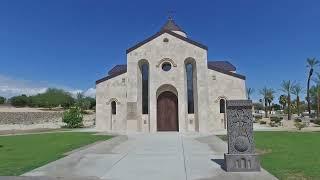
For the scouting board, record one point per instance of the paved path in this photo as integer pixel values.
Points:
(163, 156)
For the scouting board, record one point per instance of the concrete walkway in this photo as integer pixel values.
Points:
(163, 156)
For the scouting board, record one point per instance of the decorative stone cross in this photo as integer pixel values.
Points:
(241, 155)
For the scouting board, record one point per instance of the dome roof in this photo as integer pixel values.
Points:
(170, 25)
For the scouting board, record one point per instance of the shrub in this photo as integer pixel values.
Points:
(276, 119)
(19, 101)
(2, 100)
(297, 120)
(316, 121)
(300, 125)
(258, 117)
(263, 122)
(73, 118)
(273, 124)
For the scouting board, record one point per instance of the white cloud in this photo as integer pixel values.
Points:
(12, 87)
(91, 92)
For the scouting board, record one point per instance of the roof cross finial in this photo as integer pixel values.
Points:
(170, 15)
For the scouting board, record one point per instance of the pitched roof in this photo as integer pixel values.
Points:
(171, 33)
(115, 71)
(226, 65)
(170, 25)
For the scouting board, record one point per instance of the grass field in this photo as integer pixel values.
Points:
(290, 155)
(22, 153)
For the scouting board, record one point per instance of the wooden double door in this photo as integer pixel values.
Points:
(167, 112)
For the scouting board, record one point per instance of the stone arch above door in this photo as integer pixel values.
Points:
(166, 87)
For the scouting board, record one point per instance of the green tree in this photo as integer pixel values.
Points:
(314, 97)
(283, 101)
(92, 102)
(311, 63)
(286, 87)
(2, 100)
(250, 91)
(52, 98)
(317, 81)
(267, 95)
(270, 97)
(297, 90)
(19, 101)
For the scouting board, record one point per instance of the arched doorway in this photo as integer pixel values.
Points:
(167, 112)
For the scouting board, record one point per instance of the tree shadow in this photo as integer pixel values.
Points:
(220, 162)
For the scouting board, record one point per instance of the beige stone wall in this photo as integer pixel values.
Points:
(226, 87)
(111, 90)
(154, 52)
(209, 86)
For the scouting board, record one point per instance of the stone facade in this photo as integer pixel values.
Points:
(172, 47)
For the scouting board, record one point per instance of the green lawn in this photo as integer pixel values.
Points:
(22, 153)
(290, 155)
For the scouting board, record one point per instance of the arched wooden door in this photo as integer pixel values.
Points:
(167, 112)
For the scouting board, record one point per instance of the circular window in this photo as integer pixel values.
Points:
(165, 40)
(166, 66)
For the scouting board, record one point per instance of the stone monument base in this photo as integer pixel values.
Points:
(241, 162)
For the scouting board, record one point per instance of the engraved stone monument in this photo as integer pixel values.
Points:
(241, 155)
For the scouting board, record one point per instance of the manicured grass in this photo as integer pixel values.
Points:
(22, 153)
(290, 155)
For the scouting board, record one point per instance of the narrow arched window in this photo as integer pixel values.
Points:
(189, 72)
(113, 107)
(222, 106)
(145, 88)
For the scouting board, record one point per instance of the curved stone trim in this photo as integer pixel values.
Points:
(221, 97)
(113, 99)
(166, 60)
(166, 87)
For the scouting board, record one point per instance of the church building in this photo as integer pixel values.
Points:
(168, 84)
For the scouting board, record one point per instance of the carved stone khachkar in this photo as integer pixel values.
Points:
(241, 155)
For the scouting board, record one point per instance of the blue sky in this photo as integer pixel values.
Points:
(72, 43)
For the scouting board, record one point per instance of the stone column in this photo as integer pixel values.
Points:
(241, 155)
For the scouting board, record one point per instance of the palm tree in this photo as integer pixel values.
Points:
(250, 91)
(283, 101)
(267, 97)
(270, 97)
(286, 87)
(296, 90)
(264, 93)
(311, 63)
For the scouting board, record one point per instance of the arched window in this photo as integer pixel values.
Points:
(145, 88)
(189, 72)
(113, 107)
(222, 106)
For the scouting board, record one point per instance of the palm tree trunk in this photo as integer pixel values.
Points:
(308, 93)
(265, 108)
(289, 107)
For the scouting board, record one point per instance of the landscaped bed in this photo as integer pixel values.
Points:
(22, 153)
(289, 155)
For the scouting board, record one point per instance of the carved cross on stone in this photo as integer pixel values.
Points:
(241, 153)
